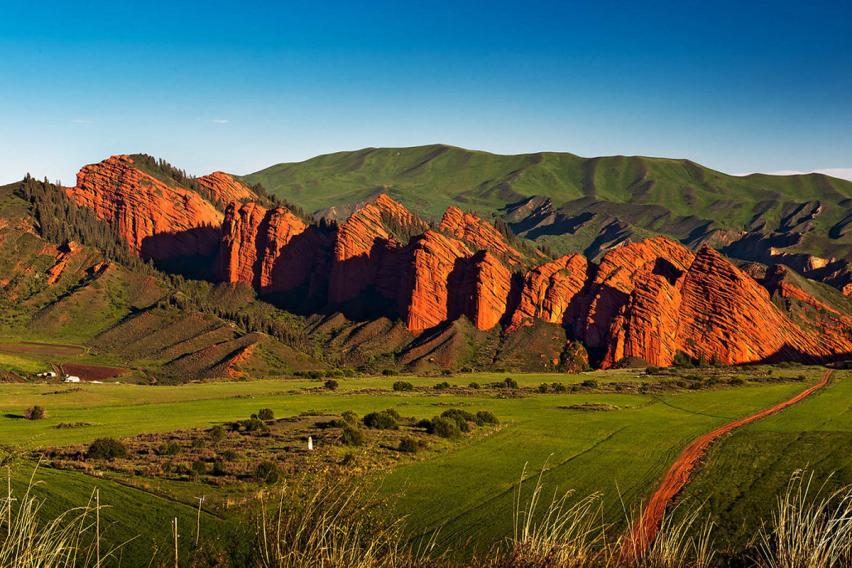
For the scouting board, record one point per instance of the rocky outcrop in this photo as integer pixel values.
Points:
(433, 281)
(712, 311)
(365, 248)
(157, 221)
(63, 256)
(549, 290)
(486, 290)
(479, 234)
(254, 248)
(224, 188)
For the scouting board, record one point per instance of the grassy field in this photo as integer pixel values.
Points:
(743, 475)
(466, 491)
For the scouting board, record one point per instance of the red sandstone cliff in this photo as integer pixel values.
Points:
(548, 290)
(254, 248)
(224, 188)
(479, 234)
(156, 220)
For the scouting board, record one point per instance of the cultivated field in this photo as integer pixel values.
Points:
(613, 432)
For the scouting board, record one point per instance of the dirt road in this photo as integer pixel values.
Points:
(677, 477)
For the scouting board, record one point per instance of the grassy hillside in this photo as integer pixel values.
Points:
(429, 178)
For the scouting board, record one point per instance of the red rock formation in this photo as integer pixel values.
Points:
(253, 242)
(62, 258)
(430, 288)
(487, 290)
(549, 289)
(224, 188)
(712, 311)
(615, 279)
(363, 242)
(156, 220)
(479, 234)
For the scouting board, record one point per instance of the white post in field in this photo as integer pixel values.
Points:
(310, 443)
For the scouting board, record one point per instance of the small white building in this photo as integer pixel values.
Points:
(47, 375)
(71, 379)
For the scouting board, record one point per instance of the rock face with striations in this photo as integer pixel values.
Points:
(255, 248)
(224, 188)
(157, 221)
(367, 248)
(549, 290)
(479, 234)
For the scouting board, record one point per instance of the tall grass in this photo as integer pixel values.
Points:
(332, 523)
(33, 539)
(810, 527)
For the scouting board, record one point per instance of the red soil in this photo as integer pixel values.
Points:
(92, 372)
(643, 532)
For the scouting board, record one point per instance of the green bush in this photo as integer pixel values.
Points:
(349, 417)
(388, 372)
(35, 413)
(197, 443)
(331, 384)
(229, 455)
(170, 449)
(218, 469)
(444, 427)
(442, 386)
(266, 414)
(543, 388)
(474, 386)
(558, 387)
(199, 468)
(484, 417)
(217, 434)
(681, 359)
(408, 445)
(590, 384)
(403, 386)
(351, 436)
(461, 418)
(510, 383)
(106, 449)
(380, 421)
(267, 472)
(254, 425)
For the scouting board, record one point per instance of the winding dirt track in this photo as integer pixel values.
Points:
(643, 533)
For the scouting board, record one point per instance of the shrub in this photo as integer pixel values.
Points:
(681, 359)
(198, 443)
(447, 373)
(408, 445)
(199, 468)
(387, 372)
(170, 449)
(217, 434)
(543, 388)
(736, 381)
(590, 384)
(444, 427)
(461, 418)
(267, 472)
(35, 413)
(442, 386)
(331, 384)
(351, 436)
(510, 383)
(218, 469)
(394, 413)
(424, 423)
(403, 386)
(106, 449)
(229, 455)
(254, 424)
(484, 417)
(474, 386)
(380, 421)
(651, 370)
(266, 414)
(349, 417)
(558, 387)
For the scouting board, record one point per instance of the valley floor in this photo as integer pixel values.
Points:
(613, 432)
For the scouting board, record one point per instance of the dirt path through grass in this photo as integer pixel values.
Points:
(643, 532)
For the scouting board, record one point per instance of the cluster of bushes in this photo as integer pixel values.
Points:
(402, 386)
(35, 413)
(451, 423)
(552, 387)
(507, 383)
(330, 373)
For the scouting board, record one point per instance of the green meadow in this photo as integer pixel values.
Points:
(464, 493)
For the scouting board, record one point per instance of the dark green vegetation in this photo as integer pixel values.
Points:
(570, 203)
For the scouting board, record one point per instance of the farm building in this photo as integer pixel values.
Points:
(47, 375)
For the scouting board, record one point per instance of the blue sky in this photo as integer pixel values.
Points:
(738, 86)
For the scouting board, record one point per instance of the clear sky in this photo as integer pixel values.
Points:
(738, 85)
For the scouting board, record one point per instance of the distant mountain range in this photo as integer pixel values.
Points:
(428, 258)
(573, 204)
